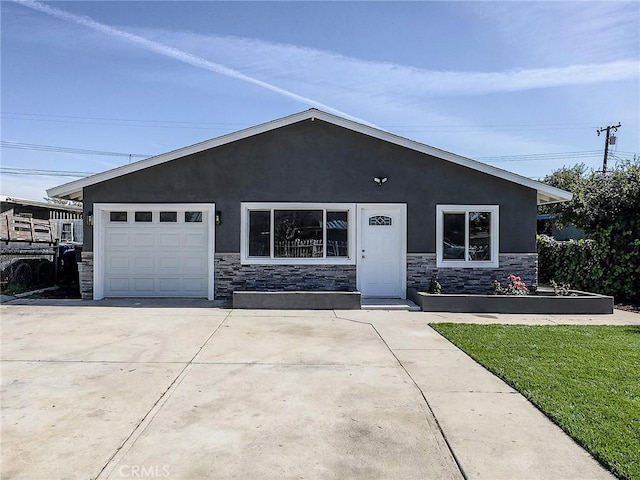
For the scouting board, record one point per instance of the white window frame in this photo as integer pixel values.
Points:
(466, 209)
(246, 207)
(63, 232)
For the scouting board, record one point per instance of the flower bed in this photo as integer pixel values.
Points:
(541, 302)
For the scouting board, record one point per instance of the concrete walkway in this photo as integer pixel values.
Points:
(492, 430)
(157, 389)
(619, 317)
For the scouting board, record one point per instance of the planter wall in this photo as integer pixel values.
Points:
(297, 300)
(583, 303)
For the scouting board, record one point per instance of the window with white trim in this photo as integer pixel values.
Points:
(467, 236)
(66, 235)
(297, 233)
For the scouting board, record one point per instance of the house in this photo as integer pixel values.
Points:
(311, 201)
(548, 225)
(64, 221)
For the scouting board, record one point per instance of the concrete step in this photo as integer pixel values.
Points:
(388, 304)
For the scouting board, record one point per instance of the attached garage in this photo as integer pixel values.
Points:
(154, 250)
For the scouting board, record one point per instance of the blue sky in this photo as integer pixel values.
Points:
(521, 85)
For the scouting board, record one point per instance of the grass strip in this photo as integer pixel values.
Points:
(585, 378)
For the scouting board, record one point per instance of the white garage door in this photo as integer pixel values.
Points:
(156, 251)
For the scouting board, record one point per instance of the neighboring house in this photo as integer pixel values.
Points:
(65, 220)
(311, 201)
(548, 226)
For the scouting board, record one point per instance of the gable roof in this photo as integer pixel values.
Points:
(73, 190)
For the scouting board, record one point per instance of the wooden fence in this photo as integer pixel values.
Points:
(24, 229)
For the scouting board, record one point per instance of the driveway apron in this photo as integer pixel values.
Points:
(180, 390)
(117, 392)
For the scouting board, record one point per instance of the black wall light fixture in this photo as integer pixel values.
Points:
(218, 217)
(380, 180)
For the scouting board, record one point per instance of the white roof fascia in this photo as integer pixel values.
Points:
(35, 203)
(546, 193)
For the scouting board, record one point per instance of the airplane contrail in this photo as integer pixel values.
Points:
(176, 54)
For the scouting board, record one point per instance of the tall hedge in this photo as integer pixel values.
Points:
(590, 266)
(607, 207)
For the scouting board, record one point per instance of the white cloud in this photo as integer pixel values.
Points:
(174, 53)
(561, 33)
(393, 94)
(281, 67)
(390, 94)
(27, 186)
(315, 70)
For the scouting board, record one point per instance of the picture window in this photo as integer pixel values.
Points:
(308, 233)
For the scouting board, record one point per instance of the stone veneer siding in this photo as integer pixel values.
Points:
(230, 275)
(421, 266)
(85, 276)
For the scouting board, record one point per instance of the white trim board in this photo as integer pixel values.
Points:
(73, 190)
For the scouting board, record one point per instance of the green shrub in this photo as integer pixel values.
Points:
(590, 265)
(606, 206)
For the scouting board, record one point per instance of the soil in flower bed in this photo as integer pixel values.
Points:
(633, 306)
(64, 291)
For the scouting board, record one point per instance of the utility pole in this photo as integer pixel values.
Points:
(606, 142)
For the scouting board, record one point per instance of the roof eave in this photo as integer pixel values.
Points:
(35, 203)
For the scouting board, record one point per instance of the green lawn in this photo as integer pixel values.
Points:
(585, 378)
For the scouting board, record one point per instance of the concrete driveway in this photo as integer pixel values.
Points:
(169, 390)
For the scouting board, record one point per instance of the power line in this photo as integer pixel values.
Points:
(475, 128)
(505, 158)
(45, 173)
(119, 119)
(491, 159)
(504, 125)
(34, 117)
(230, 126)
(539, 156)
(59, 149)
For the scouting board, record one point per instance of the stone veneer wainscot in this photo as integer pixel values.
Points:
(230, 275)
(421, 266)
(85, 276)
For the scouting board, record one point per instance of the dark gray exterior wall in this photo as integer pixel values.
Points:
(315, 161)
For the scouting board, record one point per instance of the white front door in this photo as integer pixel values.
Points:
(381, 255)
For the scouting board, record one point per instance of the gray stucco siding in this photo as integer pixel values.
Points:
(314, 161)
